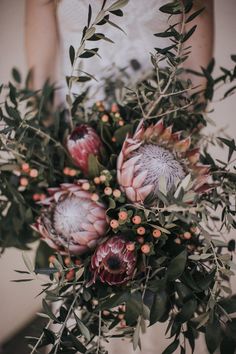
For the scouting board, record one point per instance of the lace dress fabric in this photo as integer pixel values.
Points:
(141, 20)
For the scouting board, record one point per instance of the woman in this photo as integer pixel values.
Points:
(52, 26)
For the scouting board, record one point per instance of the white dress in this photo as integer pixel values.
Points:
(140, 21)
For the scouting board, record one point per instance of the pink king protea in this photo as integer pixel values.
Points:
(70, 221)
(154, 153)
(82, 142)
(112, 262)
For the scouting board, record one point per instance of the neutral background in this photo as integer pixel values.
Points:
(18, 301)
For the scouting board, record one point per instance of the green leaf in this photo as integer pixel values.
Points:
(48, 311)
(72, 54)
(49, 335)
(189, 34)
(229, 304)
(177, 266)
(187, 311)
(121, 133)
(171, 8)
(172, 347)
(16, 75)
(115, 300)
(195, 14)
(77, 344)
(94, 166)
(28, 262)
(213, 335)
(158, 308)
(117, 5)
(83, 329)
(89, 15)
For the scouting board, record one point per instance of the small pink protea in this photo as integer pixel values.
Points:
(70, 221)
(82, 142)
(112, 262)
(155, 153)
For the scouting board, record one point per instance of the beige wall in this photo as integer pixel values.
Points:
(17, 301)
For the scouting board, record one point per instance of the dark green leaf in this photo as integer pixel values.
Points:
(195, 14)
(172, 347)
(16, 75)
(72, 54)
(158, 308)
(213, 335)
(177, 266)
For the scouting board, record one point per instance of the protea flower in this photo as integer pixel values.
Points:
(70, 221)
(155, 153)
(112, 262)
(82, 142)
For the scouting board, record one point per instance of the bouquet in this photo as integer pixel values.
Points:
(131, 209)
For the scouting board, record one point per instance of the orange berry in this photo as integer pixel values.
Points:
(95, 197)
(96, 180)
(145, 248)
(114, 223)
(66, 171)
(51, 259)
(140, 239)
(43, 196)
(136, 220)
(130, 246)
(106, 313)
(117, 193)
(122, 323)
(103, 178)
(36, 197)
(177, 241)
(67, 261)
(24, 182)
(99, 103)
(113, 139)
(85, 186)
(114, 108)
(34, 173)
(123, 215)
(121, 316)
(121, 123)
(70, 275)
(72, 173)
(187, 235)
(108, 191)
(141, 230)
(156, 233)
(95, 302)
(105, 118)
(25, 167)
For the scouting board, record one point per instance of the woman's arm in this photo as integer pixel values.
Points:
(41, 40)
(202, 41)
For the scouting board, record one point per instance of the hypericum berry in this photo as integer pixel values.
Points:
(96, 180)
(24, 181)
(177, 241)
(25, 167)
(141, 230)
(137, 220)
(121, 123)
(66, 171)
(36, 197)
(34, 173)
(85, 186)
(114, 224)
(117, 193)
(105, 118)
(103, 178)
(67, 261)
(145, 248)
(70, 275)
(113, 139)
(187, 235)
(130, 246)
(123, 215)
(156, 233)
(114, 108)
(108, 191)
(72, 173)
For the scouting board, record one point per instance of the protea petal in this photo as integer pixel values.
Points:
(72, 222)
(112, 263)
(82, 142)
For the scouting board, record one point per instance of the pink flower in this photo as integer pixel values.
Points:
(153, 154)
(70, 221)
(112, 262)
(82, 142)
